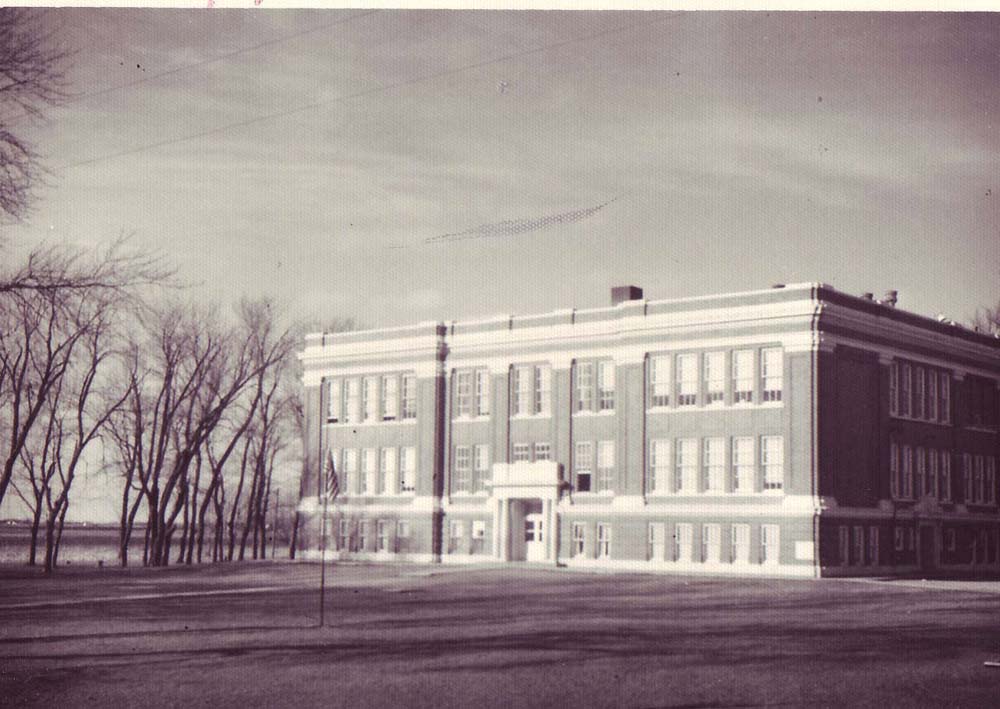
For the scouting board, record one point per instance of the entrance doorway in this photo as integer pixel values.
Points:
(534, 537)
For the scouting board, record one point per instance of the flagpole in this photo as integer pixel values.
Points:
(322, 563)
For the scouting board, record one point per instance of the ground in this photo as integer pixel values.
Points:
(430, 636)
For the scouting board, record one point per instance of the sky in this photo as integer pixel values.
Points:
(399, 167)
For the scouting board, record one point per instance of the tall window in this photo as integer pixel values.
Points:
(543, 450)
(606, 385)
(740, 543)
(743, 465)
(873, 546)
(772, 461)
(606, 466)
(932, 472)
(715, 377)
(369, 399)
(770, 544)
(482, 393)
(369, 482)
(363, 535)
(659, 466)
(659, 381)
(743, 376)
(980, 477)
(946, 476)
(463, 469)
(333, 400)
(579, 539)
(920, 470)
(932, 395)
(481, 465)
(603, 540)
(711, 543)
(521, 453)
(893, 389)
(543, 390)
(390, 397)
(521, 386)
(687, 465)
(388, 483)
(844, 544)
(656, 541)
(382, 535)
(991, 480)
(343, 535)
(409, 396)
(353, 412)
(894, 480)
(583, 462)
(945, 394)
(683, 541)
(907, 482)
(772, 379)
(407, 469)
(351, 470)
(859, 543)
(905, 382)
(584, 386)
(713, 463)
(687, 379)
(918, 392)
(463, 394)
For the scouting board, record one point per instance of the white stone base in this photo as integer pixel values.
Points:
(693, 568)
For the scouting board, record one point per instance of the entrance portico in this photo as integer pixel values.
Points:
(525, 521)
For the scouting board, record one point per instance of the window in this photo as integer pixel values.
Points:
(683, 541)
(772, 460)
(920, 470)
(769, 544)
(482, 393)
(481, 464)
(894, 480)
(899, 538)
(946, 476)
(932, 395)
(363, 535)
(743, 376)
(844, 544)
(543, 451)
(991, 480)
(521, 453)
(583, 461)
(584, 386)
(873, 546)
(687, 379)
(659, 381)
(606, 385)
(945, 395)
(906, 489)
(659, 466)
(715, 377)
(904, 390)
(521, 388)
(949, 539)
(579, 539)
(463, 394)
(740, 543)
(918, 392)
(409, 397)
(456, 532)
(543, 390)
(343, 535)
(713, 462)
(771, 377)
(407, 469)
(382, 535)
(606, 466)
(463, 469)
(390, 398)
(402, 530)
(603, 540)
(353, 408)
(980, 480)
(967, 476)
(351, 470)
(743, 465)
(656, 541)
(479, 529)
(369, 482)
(711, 543)
(686, 479)
(893, 389)
(369, 398)
(858, 538)
(334, 400)
(387, 472)
(932, 473)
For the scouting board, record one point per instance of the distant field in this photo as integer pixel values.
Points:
(423, 636)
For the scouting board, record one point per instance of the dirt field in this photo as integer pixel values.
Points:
(246, 635)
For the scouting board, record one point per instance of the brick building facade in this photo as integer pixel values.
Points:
(794, 431)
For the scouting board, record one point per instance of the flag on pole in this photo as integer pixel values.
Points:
(332, 487)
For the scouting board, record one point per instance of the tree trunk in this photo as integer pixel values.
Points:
(295, 536)
(36, 521)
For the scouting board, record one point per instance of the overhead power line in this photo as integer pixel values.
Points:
(359, 94)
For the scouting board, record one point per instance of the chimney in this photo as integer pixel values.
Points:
(891, 298)
(621, 294)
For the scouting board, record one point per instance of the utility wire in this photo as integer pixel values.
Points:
(359, 94)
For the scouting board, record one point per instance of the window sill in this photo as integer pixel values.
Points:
(530, 417)
(345, 424)
(714, 407)
(901, 417)
(585, 414)
(471, 419)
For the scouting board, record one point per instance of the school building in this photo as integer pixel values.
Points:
(796, 431)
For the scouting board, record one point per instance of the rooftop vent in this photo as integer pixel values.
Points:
(778, 285)
(891, 298)
(868, 296)
(621, 294)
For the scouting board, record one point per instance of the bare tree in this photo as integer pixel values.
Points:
(987, 320)
(32, 78)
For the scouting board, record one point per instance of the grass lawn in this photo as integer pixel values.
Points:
(423, 636)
